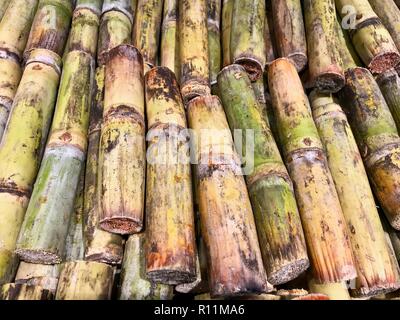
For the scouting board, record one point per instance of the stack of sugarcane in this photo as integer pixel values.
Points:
(214, 148)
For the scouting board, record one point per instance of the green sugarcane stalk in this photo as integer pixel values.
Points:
(247, 37)
(270, 188)
(134, 284)
(389, 83)
(100, 245)
(169, 50)
(43, 233)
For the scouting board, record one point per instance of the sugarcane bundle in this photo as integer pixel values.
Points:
(389, 83)
(226, 25)
(14, 31)
(146, 32)
(247, 36)
(193, 49)
(335, 291)
(389, 14)
(214, 38)
(42, 275)
(170, 240)
(50, 27)
(3, 7)
(370, 38)
(380, 274)
(169, 48)
(100, 245)
(377, 138)
(289, 30)
(12, 291)
(122, 143)
(270, 189)
(134, 284)
(43, 234)
(325, 64)
(115, 29)
(227, 222)
(346, 50)
(323, 222)
(85, 280)
(127, 7)
(22, 147)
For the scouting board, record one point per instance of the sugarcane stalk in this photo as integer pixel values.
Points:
(193, 49)
(226, 25)
(270, 189)
(43, 233)
(347, 52)
(367, 238)
(127, 7)
(115, 29)
(122, 143)
(335, 291)
(214, 38)
(12, 291)
(389, 83)
(377, 138)
(84, 28)
(3, 7)
(22, 148)
(376, 47)
(134, 284)
(15, 26)
(325, 64)
(50, 27)
(247, 36)
(269, 38)
(42, 275)
(170, 239)
(85, 280)
(322, 217)
(389, 14)
(227, 222)
(290, 35)
(169, 50)
(100, 245)
(74, 248)
(146, 32)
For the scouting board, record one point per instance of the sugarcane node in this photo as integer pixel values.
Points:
(46, 57)
(161, 82)
(128, 113)
(5, 53)
(88, 5)
(123, 6)
(194, 88)
(127, 51)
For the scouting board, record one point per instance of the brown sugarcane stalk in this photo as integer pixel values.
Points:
(214, 38)
(193, 48)
(146, 31)
(389, 83)
(389, 14)
(50, 27)
(377, 138)
(170, 239)
(289, 31)
(12, 291)
(134, 284)
(85, 280)
(325, 64)
(226, 24)
(42, 275)
(169, 50)
(100, 245)
(270, 188)
(247, 36)
(323, 222)
(115, 29)
(227, 222)
(122, 143)
(380, 275)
